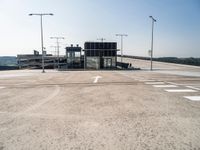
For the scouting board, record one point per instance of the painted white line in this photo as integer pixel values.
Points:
(193, 98)
(165, 86)
(180, 90)
(96, 79)
(5, 76)
(1, 87)
(194, 88)
(143, 80)
(172, 83)
(183, 84)
(151, 83)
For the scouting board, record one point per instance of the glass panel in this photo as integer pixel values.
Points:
(107, 62)
(93, 62)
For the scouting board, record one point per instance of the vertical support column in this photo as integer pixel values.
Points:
(42, 44)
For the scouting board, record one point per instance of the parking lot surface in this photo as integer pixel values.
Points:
(106, 110)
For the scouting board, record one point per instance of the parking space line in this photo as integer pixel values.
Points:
(193, 98)
(194, 88)
(172, 83)
(145, 80)
(179, 90)
(165, 86)
(152, 83)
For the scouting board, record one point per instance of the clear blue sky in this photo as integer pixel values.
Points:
(177, 30)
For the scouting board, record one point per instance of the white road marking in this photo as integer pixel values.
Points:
(96, 79)
(154, 83)
(143, 80)
(172, 83)
(2, 76)
(182, 73)
(193, 98)
(194, 88)
(165, 86)
(180, 90)
(1, 87)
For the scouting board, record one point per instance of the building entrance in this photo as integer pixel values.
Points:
(107, 62)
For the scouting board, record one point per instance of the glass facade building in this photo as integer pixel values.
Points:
(73, 56)
(100, 55)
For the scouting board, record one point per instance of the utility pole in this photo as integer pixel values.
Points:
(153, 20)
(57, 41)
(41, 15)
(122, 35)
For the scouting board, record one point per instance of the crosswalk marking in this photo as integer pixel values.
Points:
(165, 86)
(193, 98)
(180, 90)
(152, 83)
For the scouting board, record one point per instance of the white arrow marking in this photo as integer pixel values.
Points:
(96, 79)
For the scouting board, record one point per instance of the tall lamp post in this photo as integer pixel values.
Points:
(55, 51)
(54, 54)
(41, 15)
(153, 20)
(121, 35)
(57, 41)
(101, 39)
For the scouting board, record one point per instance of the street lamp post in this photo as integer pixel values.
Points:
(54, 54)
(57, 41)
(121, 35)
(41, 15)
(55, 51)
(101, 39)
(153, 20)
